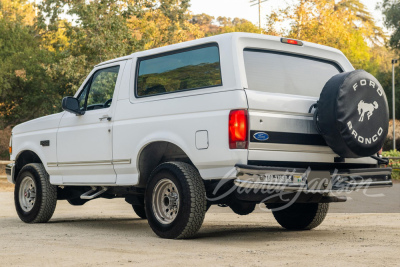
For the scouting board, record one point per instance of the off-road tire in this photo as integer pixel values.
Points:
(192, 203)
(46, 195)
(301, 216)
(242, 208)
(140, 211)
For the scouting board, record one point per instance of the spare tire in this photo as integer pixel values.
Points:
(352, 114)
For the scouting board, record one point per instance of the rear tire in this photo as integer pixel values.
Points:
(175, 200)
(301, 216)
(35, 198)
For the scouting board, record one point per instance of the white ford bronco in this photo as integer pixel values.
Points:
(231, 120)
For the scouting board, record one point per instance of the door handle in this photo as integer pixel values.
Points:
(105, 117)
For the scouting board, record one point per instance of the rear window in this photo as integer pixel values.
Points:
(276, 72)
(187, 69)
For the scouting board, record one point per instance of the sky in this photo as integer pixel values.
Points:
(242, 8)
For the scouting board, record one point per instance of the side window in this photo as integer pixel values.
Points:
(98, 92)
(188, 69)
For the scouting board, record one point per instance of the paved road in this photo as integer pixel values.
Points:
(107, 233)
(378, 200)
(382, 200)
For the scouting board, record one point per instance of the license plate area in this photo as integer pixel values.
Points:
(278, 179)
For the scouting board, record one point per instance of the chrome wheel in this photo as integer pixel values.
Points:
(27, 194)
(165, 201)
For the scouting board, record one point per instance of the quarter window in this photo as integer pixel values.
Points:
(185, 70)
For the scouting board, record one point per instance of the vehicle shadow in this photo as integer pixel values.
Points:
(116, 225)
(134, 227)
(260, 233)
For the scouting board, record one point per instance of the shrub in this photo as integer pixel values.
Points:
(5, 135)
(388, 145)
(394, 163)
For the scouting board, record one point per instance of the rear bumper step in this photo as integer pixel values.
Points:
(309, 181)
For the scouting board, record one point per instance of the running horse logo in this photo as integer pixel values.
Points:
(366, 108)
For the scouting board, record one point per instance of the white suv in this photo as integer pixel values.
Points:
(231, 120)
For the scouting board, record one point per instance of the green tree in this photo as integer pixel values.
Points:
(237, 25)
(107, 29)
(385, 78)
(391, 11)
(98, 32)
(211, 26)
(361, 19)
(26, 92)
(167, 22)
(345, 25)
(205, 23)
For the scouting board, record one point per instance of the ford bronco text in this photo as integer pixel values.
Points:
(231, 120)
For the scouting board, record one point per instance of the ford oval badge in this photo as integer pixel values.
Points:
(260, 136)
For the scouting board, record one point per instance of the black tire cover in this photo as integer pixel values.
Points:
(353, 114)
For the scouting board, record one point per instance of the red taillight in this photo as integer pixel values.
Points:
(292, 42)
(238, 129)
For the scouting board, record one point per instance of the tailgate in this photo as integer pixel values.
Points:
(288, 129)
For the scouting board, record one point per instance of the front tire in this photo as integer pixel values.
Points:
(35, 198)
(301, 216)
(175, 200)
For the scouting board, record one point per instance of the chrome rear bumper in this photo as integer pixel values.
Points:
(308, 181)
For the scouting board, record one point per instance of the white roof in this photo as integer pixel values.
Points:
(231, 38)
(231, 46)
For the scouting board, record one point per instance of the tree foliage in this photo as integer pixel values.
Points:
(237, 25)
(345, 25)
(46, 51)
(211, 26)
(391, 11)
(105, 29)
(25, 89)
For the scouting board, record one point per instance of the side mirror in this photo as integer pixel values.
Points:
(71, 104)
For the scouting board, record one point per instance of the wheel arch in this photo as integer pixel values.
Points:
(23, 158)
(155, 153)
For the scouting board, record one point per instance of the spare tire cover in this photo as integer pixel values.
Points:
(353, 114)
